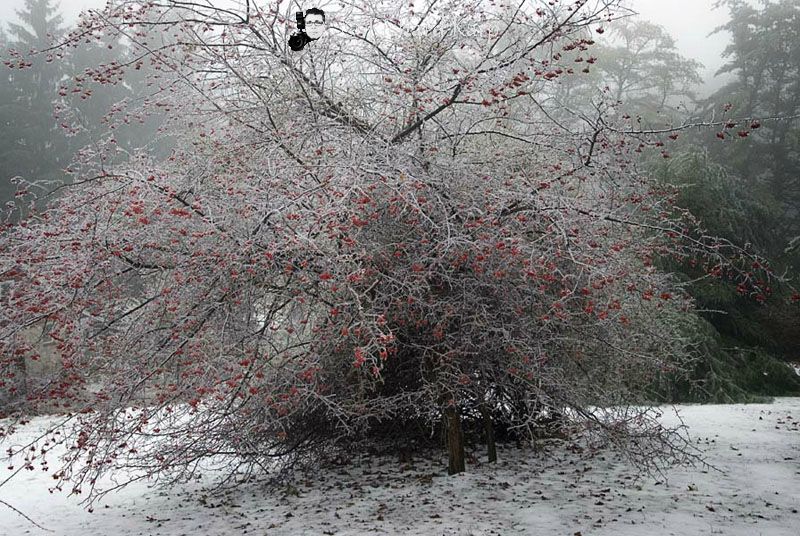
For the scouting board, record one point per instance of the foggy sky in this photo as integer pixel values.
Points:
(687, 21)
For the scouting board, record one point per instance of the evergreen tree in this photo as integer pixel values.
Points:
(8, 135)
(35, 149)
(637, 64)
(765, 56)
(646, 71)
(743, 186)
(739, 339)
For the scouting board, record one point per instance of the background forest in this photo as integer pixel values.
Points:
(741, 181)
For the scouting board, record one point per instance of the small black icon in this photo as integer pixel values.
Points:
(315, 19)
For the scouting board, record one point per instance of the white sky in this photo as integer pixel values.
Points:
(687, 21)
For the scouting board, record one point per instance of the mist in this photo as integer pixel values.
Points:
(689, 22)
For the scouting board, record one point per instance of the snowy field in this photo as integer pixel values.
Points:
(757, 447)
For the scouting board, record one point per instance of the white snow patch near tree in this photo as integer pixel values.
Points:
(756, 447)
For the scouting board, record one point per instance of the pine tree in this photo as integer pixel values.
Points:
(35, 149)
(7, 120)
(765, 57)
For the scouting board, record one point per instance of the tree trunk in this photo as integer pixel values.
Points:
(489, 430)
(455, 441)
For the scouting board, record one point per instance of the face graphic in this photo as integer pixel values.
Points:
(315, 27)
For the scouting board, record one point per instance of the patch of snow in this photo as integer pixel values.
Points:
(755, 446)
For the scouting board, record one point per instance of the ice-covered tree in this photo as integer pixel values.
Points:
(359, 250)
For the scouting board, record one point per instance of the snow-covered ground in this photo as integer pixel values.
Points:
(757, 447)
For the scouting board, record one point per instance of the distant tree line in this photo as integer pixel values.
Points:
(742, 180)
